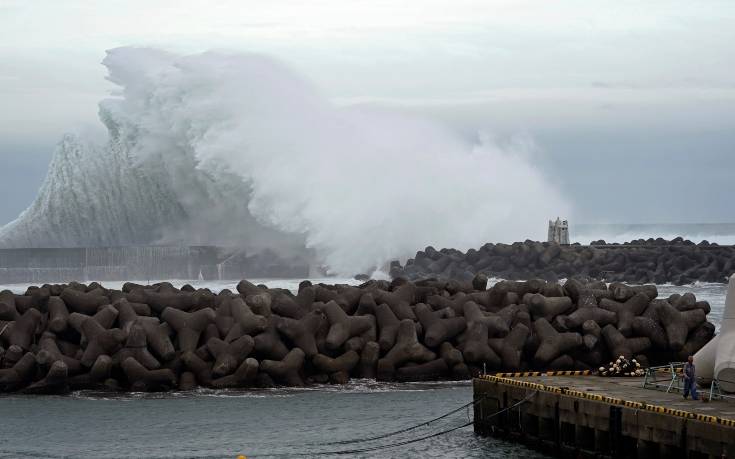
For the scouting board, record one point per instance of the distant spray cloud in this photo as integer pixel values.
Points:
(241, 145)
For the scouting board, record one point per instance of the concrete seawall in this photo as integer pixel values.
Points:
(39, 265)
(589, 416)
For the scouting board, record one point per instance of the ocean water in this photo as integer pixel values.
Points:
(721, 233)
(256, 423)
(224, 424)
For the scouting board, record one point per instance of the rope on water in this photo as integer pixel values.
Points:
(392, 445)
(398, 432)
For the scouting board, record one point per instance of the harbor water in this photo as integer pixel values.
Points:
(259, 423)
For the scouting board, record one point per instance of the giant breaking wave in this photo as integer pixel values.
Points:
(218, 148)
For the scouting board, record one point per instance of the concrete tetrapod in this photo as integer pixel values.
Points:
(84, 303)
(599, 315)
(229, 356)
(592, 333)
(96, 376)
(402, 296)
(546, 307)
(366, 305)
(476, 349)
(260, 303)
(302, 332)
(704, 359)
(286, 370)
(436, 369)
(387, 326)
(497, 331)
(106, 316)
(625, 312)
(56, 381)
(725, 356)
(24, 329)
(8, 311)
(136, 346)
(99, 340)
(450, 354)
(341, 326)
(58, 314)
(159, 301)
(19, 374)
(342, 364)
(651, 329)
(157, 336)
(497, 324)
(197, 366)
(49, 353)
(269, 344)
(143, 379)
(510, 348)
(249, 322)
(406, 349)
(678, 324)
(285, 306)
(620, 345)
(369, 360)
(552, 344)
(436, 329)
(13, 354)
(127, 314)
(188, 325)
(696, 340)
(243, 376)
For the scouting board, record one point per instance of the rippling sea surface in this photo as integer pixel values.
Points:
(284, 422)
(224, 424)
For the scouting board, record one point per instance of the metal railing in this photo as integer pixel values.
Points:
(670, 376)
(715, 391)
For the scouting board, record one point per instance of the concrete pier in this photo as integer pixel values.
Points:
(591, 416)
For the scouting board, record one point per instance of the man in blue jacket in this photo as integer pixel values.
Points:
(690, 379)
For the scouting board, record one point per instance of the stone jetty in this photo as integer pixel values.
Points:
(655, 261)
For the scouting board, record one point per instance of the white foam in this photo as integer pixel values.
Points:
(238, 149)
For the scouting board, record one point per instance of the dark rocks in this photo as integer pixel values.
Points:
(638, 262)
(286, 370)
(148, 338)
(406, 349)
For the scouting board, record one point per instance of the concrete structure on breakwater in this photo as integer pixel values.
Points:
(558, 232)
(38, 265)
(589, 416)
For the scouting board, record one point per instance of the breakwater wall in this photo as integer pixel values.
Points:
(60, 337)
(639, 262)
(39, 265)
(591, 417)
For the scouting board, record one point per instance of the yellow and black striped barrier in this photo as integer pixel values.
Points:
(526, 374)
(569, 373)
(501, 378)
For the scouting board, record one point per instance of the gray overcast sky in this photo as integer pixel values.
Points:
(631, 104)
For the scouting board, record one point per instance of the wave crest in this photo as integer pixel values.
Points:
(237, 149)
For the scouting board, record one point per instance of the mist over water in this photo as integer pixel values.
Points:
(220, 148)
(720, 233)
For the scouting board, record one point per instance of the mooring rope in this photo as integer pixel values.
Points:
(398, 432)
(394, 445)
